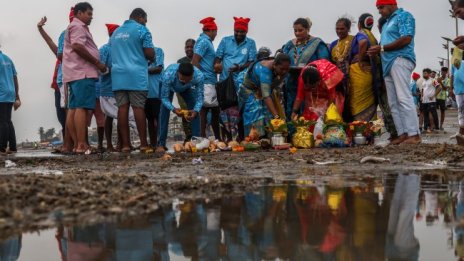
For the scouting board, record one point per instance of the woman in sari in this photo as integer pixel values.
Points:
(259, 93)
(302, 50)
(365, 24)
(317, 89)
(349, 54)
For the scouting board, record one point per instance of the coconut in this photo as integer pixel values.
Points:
(233, 144)
(178, 148)
(188, 146)
(254, 134)
(221, 145)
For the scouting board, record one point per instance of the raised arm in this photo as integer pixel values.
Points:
(53, 47)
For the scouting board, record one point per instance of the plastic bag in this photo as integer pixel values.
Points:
(200, 143)
(210, 96)
(226, 94)
(456, 60)
(319, 127)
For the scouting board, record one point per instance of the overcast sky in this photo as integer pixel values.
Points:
(173, 21)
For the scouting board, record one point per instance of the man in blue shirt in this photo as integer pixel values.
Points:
(234, 54)
(398, 61)
(131, 47)
(457, 78)
(188, 82)
(8, 97)
(203, 58)
(152, 105)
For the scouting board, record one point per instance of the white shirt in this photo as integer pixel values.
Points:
(429, 89)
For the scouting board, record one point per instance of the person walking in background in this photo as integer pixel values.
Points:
(131, 47)
(444, 82)
(203, 58)
(234, 54)
(398, 61)
(414, 91)
(81, 66)
(9, 97)
(429, 94)
(153, 103)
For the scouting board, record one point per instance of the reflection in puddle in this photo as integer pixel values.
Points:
(387, 219)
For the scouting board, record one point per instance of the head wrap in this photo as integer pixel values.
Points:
(71, 14)
(111, 28)
(386, 2)
(241, 23)
(415, 76)
(208, 23)
(366, 21)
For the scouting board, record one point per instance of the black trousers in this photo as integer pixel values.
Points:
(7, 131)
(430, 108)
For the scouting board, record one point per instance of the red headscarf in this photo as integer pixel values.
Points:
(415, 76)
(208, 23)
(241, 23)
(386, 2)
(71, 14)
(111, 28)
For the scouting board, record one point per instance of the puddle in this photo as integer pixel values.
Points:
(36, 154)
(395, 217)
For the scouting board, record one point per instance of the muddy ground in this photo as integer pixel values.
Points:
(39, 192)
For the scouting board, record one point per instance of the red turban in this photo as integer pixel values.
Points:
(415, 76)
(111, 28)
(386, 2)
(208, 23)
(241, 23)
(71, 14)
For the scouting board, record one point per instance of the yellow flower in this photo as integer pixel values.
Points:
(302, 118)
(352, 127)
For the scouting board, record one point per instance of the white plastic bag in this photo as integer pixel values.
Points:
(210, 96)
(319, 127)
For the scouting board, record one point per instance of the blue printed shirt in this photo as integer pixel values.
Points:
(413, 88)
(106, 89)
(458, 79)
(59, 76)
(399, 24)
(204, 48)
(171, 83)
(232, 53)
(154, 80)
(7, 73)
(129, 65)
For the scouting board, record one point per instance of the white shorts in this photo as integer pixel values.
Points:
(110, 109)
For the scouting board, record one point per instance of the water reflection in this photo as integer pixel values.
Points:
(299, 220)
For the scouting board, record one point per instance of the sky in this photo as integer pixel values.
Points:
(171, 22)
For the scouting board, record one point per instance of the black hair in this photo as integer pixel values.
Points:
(346, 22)
(303, 22)
(444, 69)
(190, 40)
(186, 69)
(82, 6)
(381, 22)
(427, 70)
(434, 71)
(138, 13)
(311, 75)
(281, 58)
(362, 21)
(459, 3)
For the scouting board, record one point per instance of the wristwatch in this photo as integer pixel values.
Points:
(382, 49)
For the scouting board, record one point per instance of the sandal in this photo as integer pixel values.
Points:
(146, 150)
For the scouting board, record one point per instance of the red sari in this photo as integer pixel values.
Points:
(317, 100)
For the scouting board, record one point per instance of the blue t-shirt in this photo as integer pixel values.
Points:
(106, 89)
(171, 83)
(413, 88)
(399, 24)
(7, 73)
(59, 76)
(204, 48)
(154, 80)
(129, 65)
(230, 53)
(458, 79)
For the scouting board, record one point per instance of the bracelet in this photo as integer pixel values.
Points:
(97, 62)
(276, 116)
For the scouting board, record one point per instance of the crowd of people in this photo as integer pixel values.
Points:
(126, 79)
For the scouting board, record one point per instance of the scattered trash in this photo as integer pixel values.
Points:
(197, 161)
(374, 160)
(441, 150)
(330, 162)
(439, 163)
(166, 157)
(200, 143)
(9, 164)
